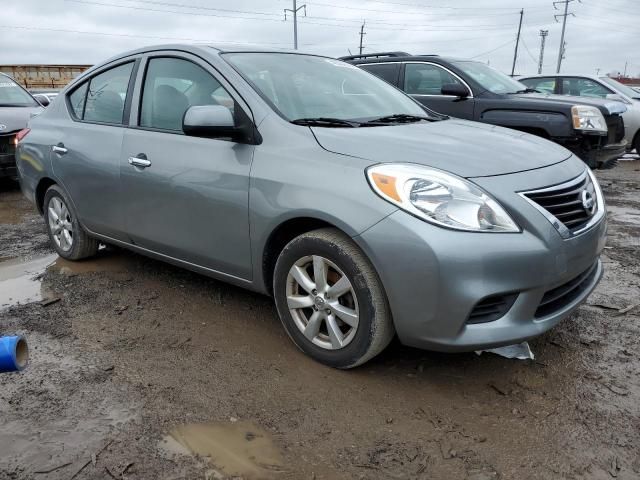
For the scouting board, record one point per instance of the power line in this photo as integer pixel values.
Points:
(433, 28)
(492, 50)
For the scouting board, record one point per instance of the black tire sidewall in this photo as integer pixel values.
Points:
(55, 191)
(359, 346)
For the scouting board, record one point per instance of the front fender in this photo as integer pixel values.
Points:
(554, 124)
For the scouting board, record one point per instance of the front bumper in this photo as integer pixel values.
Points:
(8, 166)
(435, 277)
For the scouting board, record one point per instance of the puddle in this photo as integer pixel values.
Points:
(105, 261)
(238, 449)
(20, 281)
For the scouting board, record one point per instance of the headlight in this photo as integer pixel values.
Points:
(588, 118)
(439, 198)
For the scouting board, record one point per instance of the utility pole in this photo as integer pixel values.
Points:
(625, 71)
(543, 38)
(515, 54)
(564, 16)
(362, 34)
(295, 11)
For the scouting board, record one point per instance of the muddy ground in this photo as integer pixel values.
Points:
(140, 370)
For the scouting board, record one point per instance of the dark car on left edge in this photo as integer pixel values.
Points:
(17, 106)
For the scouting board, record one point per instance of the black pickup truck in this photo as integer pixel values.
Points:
(592, 129)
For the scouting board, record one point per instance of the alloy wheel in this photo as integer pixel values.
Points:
(322, 302)
(60, 224)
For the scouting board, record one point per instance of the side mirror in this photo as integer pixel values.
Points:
(209, 121)
(455, 90)
(42, 100)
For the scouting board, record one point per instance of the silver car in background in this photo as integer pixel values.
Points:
(303, 177)
(595, 87)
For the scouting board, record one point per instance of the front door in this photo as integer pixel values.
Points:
(186, 197)
(424, 82)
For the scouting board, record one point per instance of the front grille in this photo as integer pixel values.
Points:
(566, 202)
(615, 125)
(491, 308)
(557, 298)
(7, 147)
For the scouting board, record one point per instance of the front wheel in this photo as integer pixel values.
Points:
(65, 232)
(330, 299)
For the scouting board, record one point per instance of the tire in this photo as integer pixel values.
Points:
(330, 339)
(67, 236)
(636, 143)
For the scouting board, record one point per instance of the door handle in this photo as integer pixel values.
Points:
(59, 149)
(140, 161)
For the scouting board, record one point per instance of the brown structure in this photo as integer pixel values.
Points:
(43, 76)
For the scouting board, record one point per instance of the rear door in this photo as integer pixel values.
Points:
(87, 148)
(542, 84)
(389, 72)
(189, 197)
(424, 82)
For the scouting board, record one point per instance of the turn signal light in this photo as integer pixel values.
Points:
(21, 134)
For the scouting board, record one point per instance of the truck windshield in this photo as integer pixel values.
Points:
(490, 78)
(306, 86)
(13, 95)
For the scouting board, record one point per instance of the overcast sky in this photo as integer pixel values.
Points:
(602, 35)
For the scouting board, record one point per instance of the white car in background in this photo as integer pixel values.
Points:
(594, 86)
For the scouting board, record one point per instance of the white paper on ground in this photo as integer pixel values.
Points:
(521, 351)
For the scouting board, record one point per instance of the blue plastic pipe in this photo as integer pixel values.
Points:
(14, 354)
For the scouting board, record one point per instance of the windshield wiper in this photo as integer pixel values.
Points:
(528, 90)
(325, 122)
(400, 118)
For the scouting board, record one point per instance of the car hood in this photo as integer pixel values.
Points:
(16, 118)
(607, 107)
(467, 149)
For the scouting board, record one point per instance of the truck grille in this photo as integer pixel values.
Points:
(559, 297)
(573, 203)
(615, 124)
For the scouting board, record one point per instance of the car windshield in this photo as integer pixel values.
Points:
(306, 86)
(490, 78)
(13, 95)
(628, 91)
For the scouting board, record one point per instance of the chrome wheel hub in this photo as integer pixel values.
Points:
(60, 224)
(322, 302)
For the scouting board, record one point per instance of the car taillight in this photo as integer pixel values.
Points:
(21, 134)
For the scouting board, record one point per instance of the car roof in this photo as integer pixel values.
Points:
(545, 75)
(404, 58)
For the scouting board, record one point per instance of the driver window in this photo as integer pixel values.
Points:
(425, 79)
(171, 86)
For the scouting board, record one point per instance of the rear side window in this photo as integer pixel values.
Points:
(426, 79)
(171, 86)
(544, 85)
(388, 72)
(77, 99)
(106, 95)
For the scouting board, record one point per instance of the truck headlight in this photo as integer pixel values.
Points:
(439, 198)
(588, 119)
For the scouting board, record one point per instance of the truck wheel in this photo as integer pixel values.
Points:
(66, 234)
(330, 299)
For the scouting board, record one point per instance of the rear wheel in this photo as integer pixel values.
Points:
(67, 236)
(636, 143)
(330, 299)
